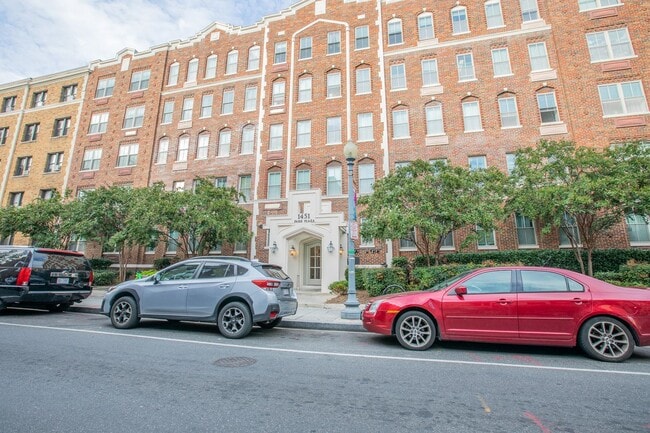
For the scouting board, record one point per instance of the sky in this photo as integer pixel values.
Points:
(41, 37)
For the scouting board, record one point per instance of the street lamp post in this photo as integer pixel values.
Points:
(351, 310)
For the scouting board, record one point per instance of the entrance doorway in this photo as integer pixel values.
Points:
(313, 264)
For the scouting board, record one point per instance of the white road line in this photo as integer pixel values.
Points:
(344, 355)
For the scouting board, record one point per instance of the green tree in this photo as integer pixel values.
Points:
(433, 199)
(590, 189)
(8, 221)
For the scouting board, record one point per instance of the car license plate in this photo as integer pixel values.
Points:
(62, 280)
(285, 292)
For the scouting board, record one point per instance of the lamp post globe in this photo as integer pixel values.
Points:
(351, 310)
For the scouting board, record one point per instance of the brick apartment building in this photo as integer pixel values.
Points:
(268, 109)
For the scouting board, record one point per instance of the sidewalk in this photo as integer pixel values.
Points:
(313, 312)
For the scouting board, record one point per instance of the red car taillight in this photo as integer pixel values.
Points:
(23, 276)
(91, 278)
(267, 284)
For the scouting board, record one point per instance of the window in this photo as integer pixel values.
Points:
(172, 80)
(253, 58)
(69, 93)
(231, 62)
(228, 101)
(188, 107)
(493, 14)
(61, 127)
(508, 112)
(280, 55)
(23, 164)
(105, 87)
(397, 76)
(465, 65)
(333, 125)
(609, 45)
(525, 231)
(98, 123)
(244, 186)
(202, 145)
(333, 84)
(206, 105)
(501, 62)
(31, 131)
(134, 117)
(459, 23)
(128, 155)
(277, 97)
(250, 98)
(16, 198)
(303, 179)
(544, 281)
(430, 72)
(303, 133)
(511, 162)
(91, 160)
(304, 89)
(364, 127)
(361, 38)
(168, 112)
(638, 229)
(547, 107)
(363, 81)
(225, 137)
(538, 57)
(366, 177)
(211, 66)
(163, 151)
(425, 26)
(178, 185)
(433, 114)
(395, 32)
(38, 100)
(46, 194)
(140, 80)
(8, 104)
(183, 148)
(485, 238)
(401, 124)
(275, 136)
(622, 98)
(4, 133)
(334, 180)
(247, 139)
(586, 5)
(472, 116)
(477, 162)
(274, 187)
(221, 182)
(408, 242)
(529, 11)
(489, 282)
(192, 70)
(305, 47)
(334, 42)
(569, 231)
(53, 162)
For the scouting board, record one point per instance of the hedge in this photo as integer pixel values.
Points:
(100, 264)
(424, 278)
(375, 280)
(104, 277)
(634, 275)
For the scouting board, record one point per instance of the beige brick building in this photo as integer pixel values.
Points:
(268, 108)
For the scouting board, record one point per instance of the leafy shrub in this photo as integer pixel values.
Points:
(400, 262)
(358, 277)
(424, 278)
(376, 280)
(161, 263)
(100, 263)
(633, 274)
(104, 277)
(339, 287)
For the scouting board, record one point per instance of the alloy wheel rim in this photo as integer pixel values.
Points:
(122, 312)
(233, 320)
(415, 331)
(608, 339)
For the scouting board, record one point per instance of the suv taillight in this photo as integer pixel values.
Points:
(91, 278)
(267, 284)
(23, 276)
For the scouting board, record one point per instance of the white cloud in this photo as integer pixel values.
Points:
(41, 38)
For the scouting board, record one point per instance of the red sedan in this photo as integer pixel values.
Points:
(519, 305)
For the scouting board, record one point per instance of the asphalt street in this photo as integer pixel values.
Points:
(73, 372)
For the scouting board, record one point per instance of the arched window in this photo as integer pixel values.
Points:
(459, 22)
(425, 26)
(225, 136)
(183, 148)
(395, 32)
(247, 139)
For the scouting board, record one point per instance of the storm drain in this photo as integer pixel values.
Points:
(238, 361)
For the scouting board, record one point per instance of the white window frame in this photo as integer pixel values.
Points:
(225, 140)
(334, 84)
(128, 155)
(477, 162)
(638, 229)
(508, 112)
(192, 71)
(304, 88)
(276, 136)
(334, 180)
(228, 102)
(395, 32)
(465, 67)
(211, 65)
(501, 62)
(188, 108)
(140, 80)
(616, 97)
(231, 62)
(105, 88)
(183, 148)
(334, 129)
(401, 127)
(434, 119)
(459, 20)
(366, 172)
(247, 140)
(133, 117)
(98, 123)
(253, 63)
(163, 151)
(333, 42)
(588, 5)
(280, 52)
(544, 107)
(202, 145)
(525, 226)
(274, 185)
(529, 10)
(303, 133)
(430, 75)
(497, 19)
(303, 179)
(168, 112)
(206, 105)
(538, 56)
(250, 98)
(469, 116)
(615, 42)
(306, 47)
(426, 29)
(91, 159)
(361, 38)
(486, 239)
(363, 86)
(398, 76)
(365, 128)
(278, 93)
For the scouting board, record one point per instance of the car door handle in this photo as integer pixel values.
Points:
(182, 287)
(504, 301)
(578, 301)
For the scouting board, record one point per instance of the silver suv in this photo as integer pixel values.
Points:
(233, 291)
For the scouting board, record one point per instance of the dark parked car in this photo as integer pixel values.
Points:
(233, 292)
(43, 278)
(519, 305)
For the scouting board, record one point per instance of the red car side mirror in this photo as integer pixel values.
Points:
(460, 291)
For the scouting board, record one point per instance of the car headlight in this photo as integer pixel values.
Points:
(374, 306)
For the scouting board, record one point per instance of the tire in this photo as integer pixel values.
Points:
(234, 320)
(124, 313)
(606, 339)
(270, 324)
(58, 308)
(415, 330)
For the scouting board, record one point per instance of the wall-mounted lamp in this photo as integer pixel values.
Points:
(330, 247)
(340, 249)
(293, 251)
(274, 247)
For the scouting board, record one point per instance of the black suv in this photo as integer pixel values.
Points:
(43, 278)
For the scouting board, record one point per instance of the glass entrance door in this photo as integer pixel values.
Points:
(313, 271)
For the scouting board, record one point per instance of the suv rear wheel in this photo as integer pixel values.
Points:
(234, 320)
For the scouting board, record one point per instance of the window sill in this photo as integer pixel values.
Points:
(474, 130)
(528, 247)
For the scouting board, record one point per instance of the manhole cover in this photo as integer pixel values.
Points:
(239, 361)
